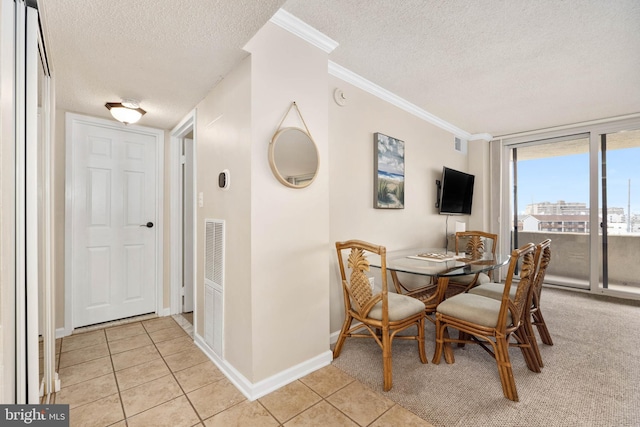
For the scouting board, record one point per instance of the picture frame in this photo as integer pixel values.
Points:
(388, 168)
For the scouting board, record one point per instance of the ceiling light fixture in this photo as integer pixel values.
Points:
(128, 111)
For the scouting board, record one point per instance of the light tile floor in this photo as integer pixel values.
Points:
(150, 373)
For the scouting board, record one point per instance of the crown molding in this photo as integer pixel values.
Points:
(368, 86)
(481, 137)
(287, 21)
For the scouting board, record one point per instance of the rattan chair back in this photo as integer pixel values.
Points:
(371, 309)
(490, 330)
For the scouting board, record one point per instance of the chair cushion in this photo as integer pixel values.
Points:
(493, 290)
(400, 307)
(473, 308)
(468, 278)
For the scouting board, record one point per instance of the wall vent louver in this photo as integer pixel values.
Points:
(214, 241)
(460, 145)
(214, 284)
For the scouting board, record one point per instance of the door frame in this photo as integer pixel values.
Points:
(158, 134)
(186, 125)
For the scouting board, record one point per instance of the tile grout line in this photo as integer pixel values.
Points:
(332, 405)
(115, 377)
(126, 418)
(174, 376)
(314, 392)
(202, 420)
(110, 355)
(76, 364)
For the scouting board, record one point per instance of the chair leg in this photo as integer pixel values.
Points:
(343, 335)
(437, 354)
(462, 336)
(542, 327)
(442, 344)
(505, 370)
(386, 360)
(533, 341)
(446, 345)
(526, 347)
(421, 349)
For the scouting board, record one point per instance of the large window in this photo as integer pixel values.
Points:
(619, 158)
(550, 185)
(582, 190)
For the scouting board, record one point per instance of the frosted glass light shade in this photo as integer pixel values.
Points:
(126, 115)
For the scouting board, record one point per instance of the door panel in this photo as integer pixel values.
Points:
(619, 241)
(98, 263)
(550, 187)
(114, 196)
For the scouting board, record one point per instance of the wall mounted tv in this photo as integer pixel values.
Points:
(455, 192)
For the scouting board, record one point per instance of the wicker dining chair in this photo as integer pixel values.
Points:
(532, 315)
(474, 244)
(491, 323)
(382, 315)
(536, 313)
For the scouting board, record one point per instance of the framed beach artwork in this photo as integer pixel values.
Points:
(388, 192)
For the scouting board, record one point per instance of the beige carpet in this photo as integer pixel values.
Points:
(591, 375)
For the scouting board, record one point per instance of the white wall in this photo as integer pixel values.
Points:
(289, 227)
(223, 138)
(352, 216)
(276, 294)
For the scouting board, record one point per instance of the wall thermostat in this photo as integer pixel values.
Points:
(223, 179)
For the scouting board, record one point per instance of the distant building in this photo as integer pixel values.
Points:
(571, 217)
(555, 223)
(559, 208)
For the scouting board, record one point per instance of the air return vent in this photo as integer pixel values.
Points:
(213, 284)
(460, 145)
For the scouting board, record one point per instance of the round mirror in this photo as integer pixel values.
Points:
(293, 157)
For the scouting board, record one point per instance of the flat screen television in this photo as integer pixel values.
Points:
(456, 192)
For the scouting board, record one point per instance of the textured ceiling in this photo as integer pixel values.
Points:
(490, 66)
(168, 54)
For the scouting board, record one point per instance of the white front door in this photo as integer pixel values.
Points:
(114, 232)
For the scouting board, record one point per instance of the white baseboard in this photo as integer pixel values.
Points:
(62, 332)
(166, 311)
(253, 391)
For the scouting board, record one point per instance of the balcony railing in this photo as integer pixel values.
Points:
(570, 262)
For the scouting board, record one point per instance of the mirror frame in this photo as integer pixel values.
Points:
(272, 161)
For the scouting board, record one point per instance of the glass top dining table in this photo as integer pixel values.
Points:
(437, 264)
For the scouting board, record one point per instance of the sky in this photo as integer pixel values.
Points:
(390, 155)
(567, 178)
